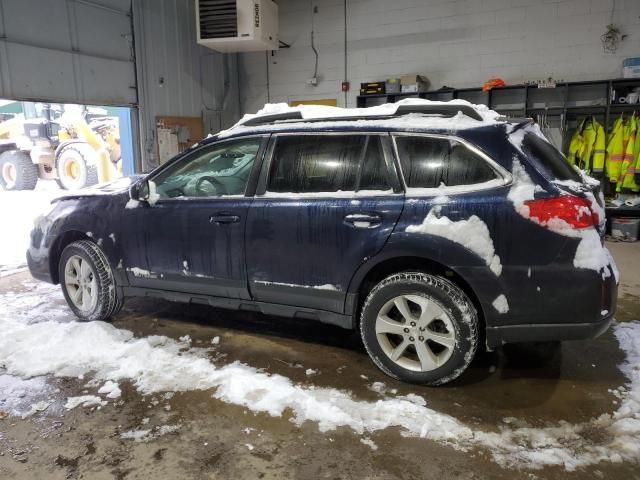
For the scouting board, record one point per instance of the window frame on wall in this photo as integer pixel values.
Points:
(502, 178)
(386, 150)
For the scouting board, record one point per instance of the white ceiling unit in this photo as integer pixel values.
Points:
(237, 25)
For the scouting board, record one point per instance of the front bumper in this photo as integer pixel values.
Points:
(38, 263)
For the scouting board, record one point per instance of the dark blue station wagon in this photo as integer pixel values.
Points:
(434, 228)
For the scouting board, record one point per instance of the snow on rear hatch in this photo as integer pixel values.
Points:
(575, 212)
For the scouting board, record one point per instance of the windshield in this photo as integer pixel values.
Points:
(548, 159)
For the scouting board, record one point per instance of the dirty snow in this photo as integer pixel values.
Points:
(37, 343)
(36, 407)
(110, 389)
(85, 401)
(472, 234)
(501, 304)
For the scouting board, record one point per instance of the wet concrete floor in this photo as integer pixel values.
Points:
(216, 440)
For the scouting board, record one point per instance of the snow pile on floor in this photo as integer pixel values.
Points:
(157, 364)
(149, 434)
(472, 234)
(18, 211)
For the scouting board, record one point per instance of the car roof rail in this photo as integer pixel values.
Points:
(272, 118)
(441, 110)
(445, 110)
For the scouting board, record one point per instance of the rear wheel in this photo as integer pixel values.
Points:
(419, 328)
(87, 282)
(76, 167)
(17, 171)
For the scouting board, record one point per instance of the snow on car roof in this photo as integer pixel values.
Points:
(312, 116)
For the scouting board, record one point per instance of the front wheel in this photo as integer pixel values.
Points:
(76, 167)
(87, 282)
(419, 328)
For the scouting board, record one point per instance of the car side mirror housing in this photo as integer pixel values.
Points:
(139, 191)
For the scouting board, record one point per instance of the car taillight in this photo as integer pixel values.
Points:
(574, 211)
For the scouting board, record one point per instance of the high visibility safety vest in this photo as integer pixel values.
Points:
(587, 147)
(615, 151)
(628, 168)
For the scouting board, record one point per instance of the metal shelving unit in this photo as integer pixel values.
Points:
(570, 99)
(566, 104)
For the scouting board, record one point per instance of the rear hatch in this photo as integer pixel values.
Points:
(555, 167)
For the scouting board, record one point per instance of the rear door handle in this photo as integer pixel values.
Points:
(363, 220)
(224, 218)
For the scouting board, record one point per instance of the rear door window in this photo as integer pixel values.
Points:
(327, 163)
(553, 164)
(431, 162)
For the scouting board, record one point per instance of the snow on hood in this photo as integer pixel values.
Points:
(120, 185)
(40, 337)
(417, 121)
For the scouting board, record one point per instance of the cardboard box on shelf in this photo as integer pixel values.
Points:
(414, 83)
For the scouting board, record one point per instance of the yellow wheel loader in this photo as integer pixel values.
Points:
(47, 142)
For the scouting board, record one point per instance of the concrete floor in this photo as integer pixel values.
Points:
(569, 384)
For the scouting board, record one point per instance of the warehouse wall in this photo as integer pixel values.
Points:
(177, 77)
(67, 50)
(458, 43)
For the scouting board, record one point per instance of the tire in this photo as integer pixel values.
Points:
(17, 171)
(76, 167)
(103, 299)
(440, 312)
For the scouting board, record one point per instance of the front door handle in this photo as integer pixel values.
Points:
(363, 220)
(224, 218)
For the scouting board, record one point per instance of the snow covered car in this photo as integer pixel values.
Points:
(434, 228)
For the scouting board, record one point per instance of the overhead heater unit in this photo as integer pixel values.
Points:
(237, 25)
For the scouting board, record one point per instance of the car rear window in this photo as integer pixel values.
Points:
(548, 159)
(429, 162)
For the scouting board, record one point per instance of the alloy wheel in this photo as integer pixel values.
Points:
(415, 332)
(81, 283)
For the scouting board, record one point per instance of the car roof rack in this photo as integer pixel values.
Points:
(272, 118)
(444, 110)
(441, 110)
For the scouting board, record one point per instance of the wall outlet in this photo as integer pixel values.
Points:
(313, 81)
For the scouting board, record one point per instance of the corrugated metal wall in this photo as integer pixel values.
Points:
(176, 76)
(82, 51)
(67, 50)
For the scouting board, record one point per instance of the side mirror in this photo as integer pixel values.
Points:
(139, 191)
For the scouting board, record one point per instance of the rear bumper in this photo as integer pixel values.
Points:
(569, 315)
(497, 336)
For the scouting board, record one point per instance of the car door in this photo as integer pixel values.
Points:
(325, 204)
(191, 233)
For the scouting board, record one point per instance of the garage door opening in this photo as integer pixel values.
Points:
(47, 150)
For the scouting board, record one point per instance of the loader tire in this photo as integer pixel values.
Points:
(76, 167)
(17, 171)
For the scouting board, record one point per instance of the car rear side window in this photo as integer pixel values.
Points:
(327, 163)
(548, 159)
(429, 162)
